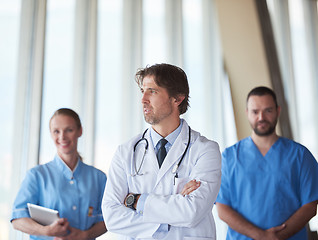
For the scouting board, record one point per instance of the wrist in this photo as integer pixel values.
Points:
(137, 198)
(131, 200)
(46, 231)
(258, 234)
(85, 234)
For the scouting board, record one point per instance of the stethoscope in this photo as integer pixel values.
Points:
(174, 169)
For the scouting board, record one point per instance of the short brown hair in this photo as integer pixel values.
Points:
(169, 77)
(261, 91)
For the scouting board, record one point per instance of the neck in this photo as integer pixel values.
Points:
(264, 143)
(70, 159)
(164, 129)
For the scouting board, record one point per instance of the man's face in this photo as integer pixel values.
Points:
(262, 114)
(158, 107)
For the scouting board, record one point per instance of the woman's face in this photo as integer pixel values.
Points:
(65, 134)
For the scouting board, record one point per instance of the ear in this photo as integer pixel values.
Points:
(178, 100)
(80, 132)
(278, 111)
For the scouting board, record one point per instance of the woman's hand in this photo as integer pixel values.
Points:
(73, 234)
(28, 225)
(59, 228)
(190, 187)
(95, 231)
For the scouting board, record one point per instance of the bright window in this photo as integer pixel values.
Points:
(9, 26)
(58, 68)
(304, 75)
(109, 86)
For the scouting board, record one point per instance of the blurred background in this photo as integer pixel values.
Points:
(83, 54)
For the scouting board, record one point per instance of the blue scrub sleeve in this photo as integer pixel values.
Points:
(224, 196)
(28, 193)
(308, 178)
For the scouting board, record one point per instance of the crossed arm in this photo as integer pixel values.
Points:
(294, 224)
(187, 189)
(59, 229)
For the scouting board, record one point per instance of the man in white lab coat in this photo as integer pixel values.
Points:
(146, 198)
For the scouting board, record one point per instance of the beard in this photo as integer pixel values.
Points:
(152, 120)
(155, 118)
(265, 132)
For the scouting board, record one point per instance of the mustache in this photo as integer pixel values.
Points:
(262, 121)
(146, 106)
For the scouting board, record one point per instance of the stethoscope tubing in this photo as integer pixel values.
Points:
(175, 168)
(137, 171)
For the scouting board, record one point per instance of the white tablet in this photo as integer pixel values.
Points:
(42, 215)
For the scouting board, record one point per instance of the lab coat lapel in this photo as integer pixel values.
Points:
(175, 153)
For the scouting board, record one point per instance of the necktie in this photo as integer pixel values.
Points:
(161, 154)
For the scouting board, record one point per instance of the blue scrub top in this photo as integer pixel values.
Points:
(76, 195)
(267, 190)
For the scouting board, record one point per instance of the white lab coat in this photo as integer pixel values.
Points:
(189, 217)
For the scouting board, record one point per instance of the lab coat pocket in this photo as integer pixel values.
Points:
(179, 184)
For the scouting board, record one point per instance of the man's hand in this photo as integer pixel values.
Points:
(271, 233)
(93, 232)
(190, 187)
(187, 189)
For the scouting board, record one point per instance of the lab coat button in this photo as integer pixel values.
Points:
(71, 182)
(74, 207)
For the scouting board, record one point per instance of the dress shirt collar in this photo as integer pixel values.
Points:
(171, 138)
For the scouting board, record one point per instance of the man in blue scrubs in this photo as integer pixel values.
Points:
(269, 187)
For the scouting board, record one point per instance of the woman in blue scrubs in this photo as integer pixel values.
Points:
(65, 184)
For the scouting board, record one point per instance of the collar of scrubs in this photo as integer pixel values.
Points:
(66, 171)
(171, 138)
(251, 144)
